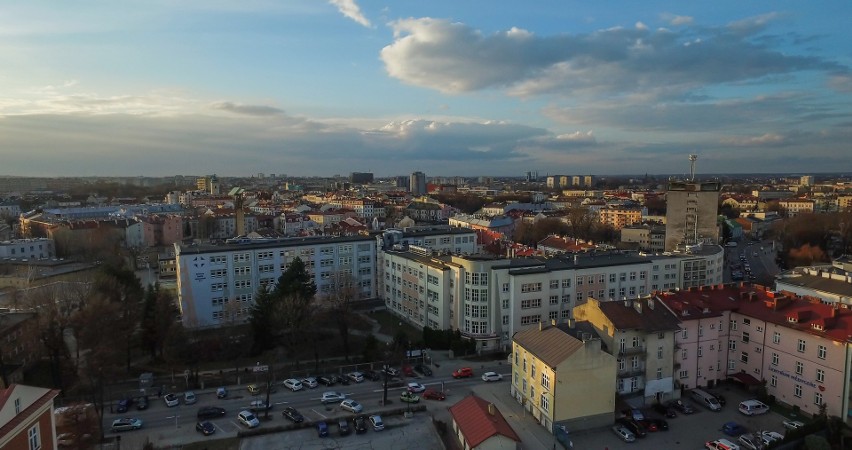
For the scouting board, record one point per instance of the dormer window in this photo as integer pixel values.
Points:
(817, 326)
(792, 319)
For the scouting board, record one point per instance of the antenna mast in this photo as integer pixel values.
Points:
(692, 159)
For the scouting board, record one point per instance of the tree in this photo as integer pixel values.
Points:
(342, 290)
(118, 286)
(263, 320)
(158, 313)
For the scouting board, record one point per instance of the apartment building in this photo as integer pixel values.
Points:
(26, 417)
(37, 248)
(830, 283)
(649, 238)
(619, 217)
(798, 345)
(796, 206)
(217, 283)
(640, 333)
(692, 209)
(562, 380)
(19, 338)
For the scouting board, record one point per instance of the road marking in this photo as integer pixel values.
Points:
(280, 403)
(319, 413)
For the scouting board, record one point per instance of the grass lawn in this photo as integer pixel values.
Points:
(390, 324)
(219, 444)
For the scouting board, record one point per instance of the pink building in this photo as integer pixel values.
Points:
(163, 230)
(797, 345)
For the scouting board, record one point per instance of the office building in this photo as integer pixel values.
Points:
(417, 184)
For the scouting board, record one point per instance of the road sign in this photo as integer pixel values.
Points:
(263, 368)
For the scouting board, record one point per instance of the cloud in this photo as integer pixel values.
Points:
(577, 136)
(351, 10)
(674, 19)
(454, 58)
(251, 110)
(768, 139)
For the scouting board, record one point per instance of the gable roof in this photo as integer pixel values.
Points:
(638, 314)
(477, 424)
(551, 345)
(47, 395)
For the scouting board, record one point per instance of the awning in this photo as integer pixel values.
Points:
(745, 379)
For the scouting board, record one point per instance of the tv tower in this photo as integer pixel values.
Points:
(692, 159)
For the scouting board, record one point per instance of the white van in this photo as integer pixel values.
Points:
(706, 399)
(753, 407)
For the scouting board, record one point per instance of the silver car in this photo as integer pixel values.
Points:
(332, 397)
(623, 433)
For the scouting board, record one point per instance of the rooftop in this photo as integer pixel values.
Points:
(477, 422)
(639, 314)
(550, 344)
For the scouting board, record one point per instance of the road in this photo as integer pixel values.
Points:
(760, 256)
(179, 421)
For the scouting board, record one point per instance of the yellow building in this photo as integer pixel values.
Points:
(619, 217)
(563, 380)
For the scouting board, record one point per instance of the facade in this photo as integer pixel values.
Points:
(562, 380)
(37, 248)
(417, 184)
(649, 238)
(692, 209)
(162, 230)
(640, 333)
(216, 283)
(478, 425)
(796, 206)
(832, 284)
(620, 217)
(19, 338)
(361, 177)
(26, 418)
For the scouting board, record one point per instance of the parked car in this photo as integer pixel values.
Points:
(360, 425)
(623, 433)
(751, 442)
(649, 426)
(390, 371)
(665, 410)
(634, 427)
(126, 424)
(373, 375)
(682, 406)
(293, 384)
(332, 397)
(769, 437)
(719, 397)
(357, 377)
(189, 398)
(221, 392)
(464, 372)
(248, 419)
(253, 389)
(326, 380)
(351, 406)
(408, 371)
(409, 397)
(636, 414)
(432, 394)
(142, 403)
(376, 422)
(425, 370)
(733, 429)
(793, 424)
(322, 429)
(310, 382)
(491, 376)
(259, 405)
(292, 414)
(171, 400)
(395, 382)
(210, 412)
(123, 405)
(661, 424)
(721, 444)
(416, 387)
(343, 427)
(205, 428)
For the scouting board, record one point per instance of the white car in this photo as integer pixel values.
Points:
(126, 424)
(416, 388)
(171, 400)
(332, 397)
(376, 422)
(259, 405)
(793, 424)
(248, 419)
(357, 377)
(351, 406)
(491, 376)
(770, 436)
(623, 433)
(293, 384)
(751, 442)
(189, 398)
(310, 382)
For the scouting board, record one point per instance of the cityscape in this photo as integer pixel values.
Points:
(346, 224)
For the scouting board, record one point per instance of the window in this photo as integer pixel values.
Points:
(820, 376)
(566, 283)
(800, 368)
(545, 403)
(634, 362)
(527, 320)
(635, 341)
(775, 359)
(683, 334)
(530, 287)
(821, 352)
(34, 438)
(532, 370)
(545, 380)
(531, 303)
(732, 364)
(525, 365)
(745, 336)
(17, 406)
(746, 321)
(532, 391)
(733, 325)
(659, 373)
(554, 284)
(579, 281)
(620, 363)
(684, 374)
(732, 344)
(505, 303)
(773, 381)
(554, 299)
(797, 390)
(505, 287)
(817, 398)
(699, 351)
(684, 354)
(744, 357)
(660, 352)
(776, 337)
(612, 278)
(801, 345)
(700, 330)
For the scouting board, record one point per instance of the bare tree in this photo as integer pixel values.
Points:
(337, 302)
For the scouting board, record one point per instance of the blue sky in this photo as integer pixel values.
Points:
(313, 87)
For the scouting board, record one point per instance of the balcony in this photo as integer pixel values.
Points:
(628, 351)
(631, 372)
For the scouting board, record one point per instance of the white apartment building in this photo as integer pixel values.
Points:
(37, 248)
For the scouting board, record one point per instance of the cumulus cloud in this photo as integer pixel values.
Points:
(453, 57)
(577, 136)
(674, 19)
(351, 10)
(251, 110)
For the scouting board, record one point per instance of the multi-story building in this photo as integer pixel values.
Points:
(19, 337)
(361, 177)
(562, 380)
(37, 248)
(691, 213)
(640, 333)
(796, 206)
(831, 284)
(619, 217)
(216, 283)
(650, 238)
(417, 184)
(26, 418)
(162, 230)
(799, 346)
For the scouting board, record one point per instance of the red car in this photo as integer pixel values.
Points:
(433, 395)
(408, 371)
(464, 372)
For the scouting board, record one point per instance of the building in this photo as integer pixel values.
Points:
(361, 177)
(562, 380)
(798, 345)
(832, 284)
(649, 238)
(478, 425)
(619, 217)
(25, 249)
(806, 180)
(19, 335)
(26, 418)
(796, 206)
(417, 184)
(640, 333)
(692, 209)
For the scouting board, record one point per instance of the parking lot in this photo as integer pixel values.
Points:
(687, 431)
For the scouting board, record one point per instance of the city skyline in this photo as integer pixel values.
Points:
(322, 88)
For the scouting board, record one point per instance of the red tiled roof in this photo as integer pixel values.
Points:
(647, 318)
(477, 424)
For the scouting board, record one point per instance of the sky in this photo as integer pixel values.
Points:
(315, 87)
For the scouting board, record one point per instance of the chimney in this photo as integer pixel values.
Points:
(491, 409)
(540, 326)
(651, 303)
(572, 323)
(637, 305)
